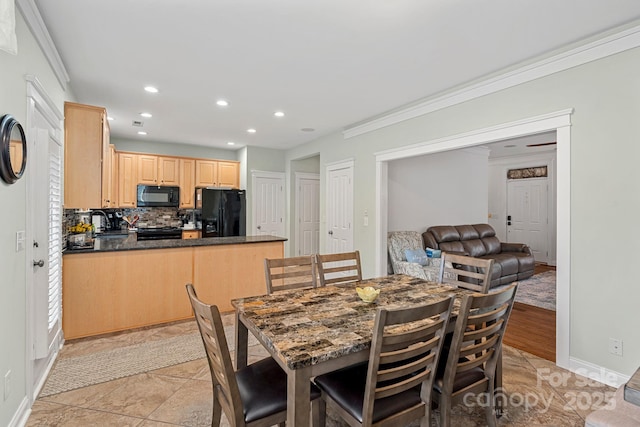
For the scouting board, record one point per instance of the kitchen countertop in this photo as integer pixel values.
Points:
(129, 242)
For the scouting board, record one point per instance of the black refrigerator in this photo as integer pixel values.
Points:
(223, 211)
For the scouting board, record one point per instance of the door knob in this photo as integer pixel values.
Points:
(259, 227)
(331, 232)
(39, 263)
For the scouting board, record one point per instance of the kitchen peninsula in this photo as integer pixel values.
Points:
(122, 283)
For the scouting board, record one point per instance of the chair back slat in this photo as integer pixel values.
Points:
(404, 352)
(290, 273)
(339, 268)
(466, 272)
(217, 350)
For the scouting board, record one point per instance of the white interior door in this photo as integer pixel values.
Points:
(268, 204)
(340, 208)
(527, 215)
(307, 213)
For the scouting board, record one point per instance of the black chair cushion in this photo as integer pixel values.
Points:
(347, 386)
(263, 389)
(462, 380)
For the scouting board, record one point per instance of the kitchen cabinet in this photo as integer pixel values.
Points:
(190, 234)
(105, 292)
(187, 183)
(15, 154)
(217, 173)
(147, 169)
(113, 291)
(113, 178)
(127, 180)
(86, 140)
(224, 272)
(168, 171)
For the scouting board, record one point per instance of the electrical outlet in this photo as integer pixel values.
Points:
(7, 385)
(19, 241)
(615, 346)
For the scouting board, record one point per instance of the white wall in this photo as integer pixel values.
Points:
(448, 188)
(605, 194)
(13, 314)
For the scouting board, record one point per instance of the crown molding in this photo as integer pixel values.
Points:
(606, 46)
(34, 21)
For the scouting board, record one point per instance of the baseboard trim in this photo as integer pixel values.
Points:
(21, 415)
(597, 373)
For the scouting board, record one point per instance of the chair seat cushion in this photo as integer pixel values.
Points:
(263, 389)
(347, 386)
(462, 380)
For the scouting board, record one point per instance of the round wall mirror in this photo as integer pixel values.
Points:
(13, 149)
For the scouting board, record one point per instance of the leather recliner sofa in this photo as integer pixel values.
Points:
(512, 261)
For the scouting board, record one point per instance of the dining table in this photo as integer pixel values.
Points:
(318, 330)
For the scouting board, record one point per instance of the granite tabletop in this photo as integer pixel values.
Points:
(128, 242)
(306, 327)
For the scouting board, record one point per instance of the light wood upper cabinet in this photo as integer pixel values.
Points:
(147, 169)
(217, 173)
(113, 178)
(206, 173)
(187, 183)
(168, 171)
(15, 154)
(127, 180)
(86, 142)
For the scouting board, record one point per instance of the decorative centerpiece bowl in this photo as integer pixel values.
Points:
(368, 294)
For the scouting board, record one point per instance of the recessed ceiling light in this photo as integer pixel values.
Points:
(141, 132)
(509, 146)
(278, 114)
(222, 103)
(147, 115)
(307, 129)
(251, 130)
(231, 143)
(109, 118)
(151, 89)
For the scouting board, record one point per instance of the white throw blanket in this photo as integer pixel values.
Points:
(8, 40)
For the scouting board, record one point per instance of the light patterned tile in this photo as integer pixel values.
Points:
(190, 405)
(48, 414)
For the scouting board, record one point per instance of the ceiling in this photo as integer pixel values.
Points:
(326, 64)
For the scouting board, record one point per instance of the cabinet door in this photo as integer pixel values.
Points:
(206, 173)
(107, 190)
(147, 169)
(127, 180)
(187, 183)
(168, 171)
(113, 176)
(228, 174)
(83, 149)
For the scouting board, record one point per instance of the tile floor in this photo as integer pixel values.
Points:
(538, 393)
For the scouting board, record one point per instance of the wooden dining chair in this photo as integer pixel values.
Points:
(254, 396)
(339, 268)
(469, 364)
(466, 272)
(290, 273)
(394, 387)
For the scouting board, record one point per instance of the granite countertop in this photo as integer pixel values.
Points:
(306, 327)
(129, 242)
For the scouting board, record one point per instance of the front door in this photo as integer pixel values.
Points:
(340, 208)
(527, 216)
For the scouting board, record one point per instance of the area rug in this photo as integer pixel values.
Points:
(538, 290)
(82, 371)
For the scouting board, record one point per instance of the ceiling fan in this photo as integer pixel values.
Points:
(542, 144)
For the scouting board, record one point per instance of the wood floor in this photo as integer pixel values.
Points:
(533, 329)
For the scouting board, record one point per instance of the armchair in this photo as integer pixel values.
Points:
(397, 243)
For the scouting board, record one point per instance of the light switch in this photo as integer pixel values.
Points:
(19, 241)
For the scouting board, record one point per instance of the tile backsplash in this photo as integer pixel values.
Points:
(148, 217)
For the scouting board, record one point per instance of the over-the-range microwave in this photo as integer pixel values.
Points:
(158, 196)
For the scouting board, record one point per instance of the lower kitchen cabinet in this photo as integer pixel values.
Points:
(222, 273)
(106, 292)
